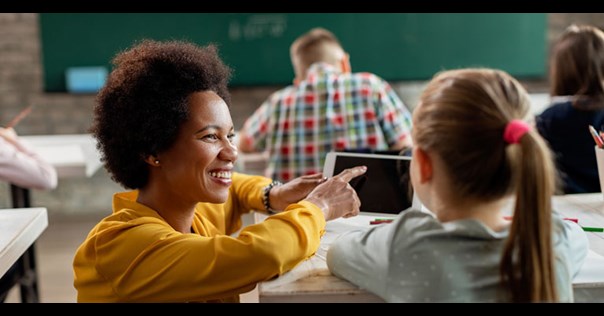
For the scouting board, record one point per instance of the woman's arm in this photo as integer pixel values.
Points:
(149, 262)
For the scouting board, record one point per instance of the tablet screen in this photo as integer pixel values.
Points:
(384, 188)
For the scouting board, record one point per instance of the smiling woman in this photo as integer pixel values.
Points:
(164, 129)
(199, 163)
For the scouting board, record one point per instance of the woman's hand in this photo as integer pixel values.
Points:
(336, 197)
(8, 134)
(294, 190)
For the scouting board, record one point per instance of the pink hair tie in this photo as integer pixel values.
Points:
(514, 131)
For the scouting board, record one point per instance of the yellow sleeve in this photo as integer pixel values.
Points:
(150, 262)
(247, 191)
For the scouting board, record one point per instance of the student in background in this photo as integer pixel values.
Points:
(328, 108)
(21, 166)
(164, 129)
(577, 89)
(472, 152)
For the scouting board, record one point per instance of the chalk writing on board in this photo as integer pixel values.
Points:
(258, 26)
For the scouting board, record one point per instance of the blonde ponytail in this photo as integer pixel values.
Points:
(527, 265)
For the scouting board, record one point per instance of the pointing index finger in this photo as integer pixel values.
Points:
(351, 173)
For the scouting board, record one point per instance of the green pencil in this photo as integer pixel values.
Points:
(593, 229)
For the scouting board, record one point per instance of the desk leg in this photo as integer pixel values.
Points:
(20, 196)
(28, 282)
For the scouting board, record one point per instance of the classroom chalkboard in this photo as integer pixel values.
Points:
(395, 46)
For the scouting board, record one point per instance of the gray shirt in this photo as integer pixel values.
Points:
(416, 258)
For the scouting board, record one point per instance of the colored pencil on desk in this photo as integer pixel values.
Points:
(380, 222)
(593, 229)
(596, 136)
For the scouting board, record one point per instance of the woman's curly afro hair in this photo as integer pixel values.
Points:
(144, 102)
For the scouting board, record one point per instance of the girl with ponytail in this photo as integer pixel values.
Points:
(473, 156)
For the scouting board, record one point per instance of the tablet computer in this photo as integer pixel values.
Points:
(386, 186)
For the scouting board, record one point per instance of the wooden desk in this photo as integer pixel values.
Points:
(311, 280)
(19, 229)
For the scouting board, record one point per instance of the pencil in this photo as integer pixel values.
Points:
(19, 117)
(380, 222)
(596, 137)
(593, 229)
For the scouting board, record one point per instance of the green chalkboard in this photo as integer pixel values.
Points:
(395, 46)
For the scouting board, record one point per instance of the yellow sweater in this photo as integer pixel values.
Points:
(133, 255)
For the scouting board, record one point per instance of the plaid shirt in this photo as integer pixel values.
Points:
(327, 111)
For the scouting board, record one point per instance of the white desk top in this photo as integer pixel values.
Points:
(539, 102)
(72, 155)
(311, 280)
(19, 229)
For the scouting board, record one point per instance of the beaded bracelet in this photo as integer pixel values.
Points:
(265, 197)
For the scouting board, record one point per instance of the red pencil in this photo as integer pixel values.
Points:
(381, 221)
(19, 117)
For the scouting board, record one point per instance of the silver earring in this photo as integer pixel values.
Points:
(157, 161)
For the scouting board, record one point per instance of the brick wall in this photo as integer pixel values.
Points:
(62, 113)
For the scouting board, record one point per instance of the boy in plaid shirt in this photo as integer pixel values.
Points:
(328, 108)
